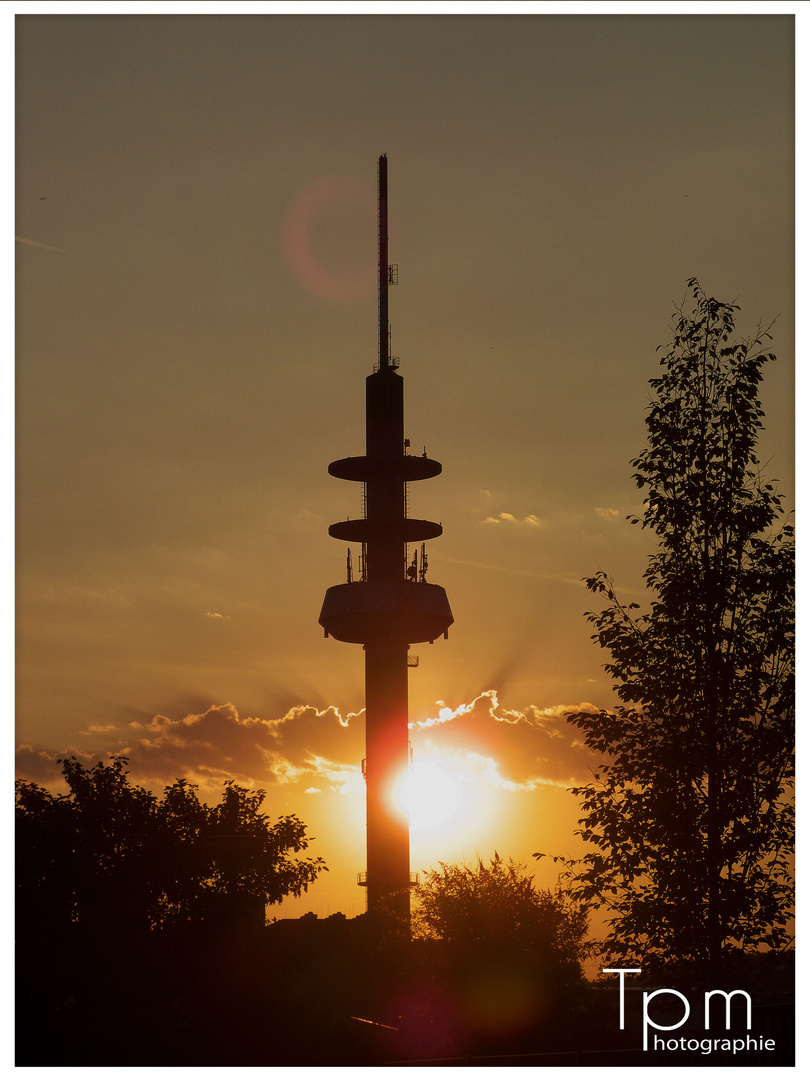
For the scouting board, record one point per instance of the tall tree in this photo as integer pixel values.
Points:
(691, 810)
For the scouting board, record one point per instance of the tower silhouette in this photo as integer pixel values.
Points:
(391, 605)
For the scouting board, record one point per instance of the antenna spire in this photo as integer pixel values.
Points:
(382, 257)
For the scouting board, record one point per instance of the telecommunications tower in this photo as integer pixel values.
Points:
(389, 605)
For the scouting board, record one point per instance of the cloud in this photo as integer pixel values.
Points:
(523, 748)
(471, 766)
(215, 615)
(306, 743)
(321, 749)
(505, 518)
(316, 746)
(344, 779)
(608, 515)
(40, 767)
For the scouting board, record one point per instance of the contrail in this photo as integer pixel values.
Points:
(559, 578)
(36, 243)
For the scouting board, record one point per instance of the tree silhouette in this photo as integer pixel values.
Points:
(691, 812)
(500, 958)
(110, 855)
(496, 907)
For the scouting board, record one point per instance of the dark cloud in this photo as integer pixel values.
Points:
(322, 748)
(525, 747)
(306, 744)
(40, 767)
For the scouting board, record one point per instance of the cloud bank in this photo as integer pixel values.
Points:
(510, 748)
(321, 749)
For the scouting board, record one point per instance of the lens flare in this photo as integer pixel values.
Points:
(319, 217)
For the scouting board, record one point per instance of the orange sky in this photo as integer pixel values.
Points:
(195, 210)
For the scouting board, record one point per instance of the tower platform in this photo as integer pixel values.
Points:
(403, 468)
(368, 612)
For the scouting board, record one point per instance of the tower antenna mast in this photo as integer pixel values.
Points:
(382, 256)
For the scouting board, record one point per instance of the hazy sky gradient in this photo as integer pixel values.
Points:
(182, 383)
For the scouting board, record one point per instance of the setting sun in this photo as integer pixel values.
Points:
(430, 795)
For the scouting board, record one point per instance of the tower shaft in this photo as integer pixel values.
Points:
(385, 490)
(387, 759)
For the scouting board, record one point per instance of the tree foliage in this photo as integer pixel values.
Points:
(496, 907)
(111, 854)
(690, 812)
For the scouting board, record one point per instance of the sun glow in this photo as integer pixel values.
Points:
(430, 795)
